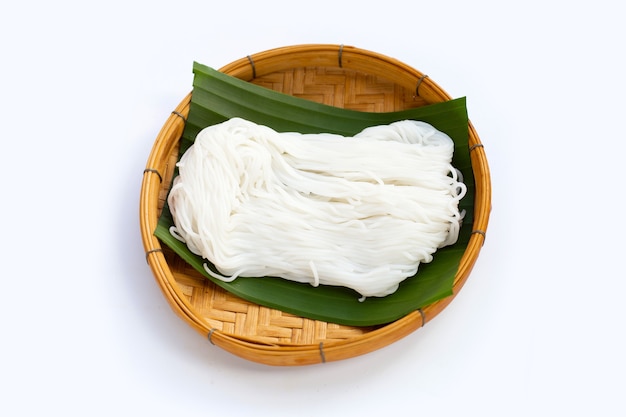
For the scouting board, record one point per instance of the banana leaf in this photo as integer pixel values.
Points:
(217, 97)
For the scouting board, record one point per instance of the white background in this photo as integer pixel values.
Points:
(537, 330)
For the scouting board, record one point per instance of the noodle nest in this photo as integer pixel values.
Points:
(361, 212)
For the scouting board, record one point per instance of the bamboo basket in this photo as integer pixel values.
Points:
(336, 75)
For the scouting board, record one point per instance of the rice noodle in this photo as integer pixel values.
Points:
(361, 212)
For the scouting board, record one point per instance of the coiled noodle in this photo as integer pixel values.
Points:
(361, 212)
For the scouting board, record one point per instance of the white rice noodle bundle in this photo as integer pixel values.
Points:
(361, 212)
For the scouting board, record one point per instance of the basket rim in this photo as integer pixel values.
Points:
(259, 64)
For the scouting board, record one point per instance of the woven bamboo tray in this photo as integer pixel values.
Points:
(336, 75)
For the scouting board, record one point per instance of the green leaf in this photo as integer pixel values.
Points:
(217, 97)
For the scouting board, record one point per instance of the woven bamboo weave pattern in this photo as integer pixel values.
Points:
(232, 315)
(342, 88)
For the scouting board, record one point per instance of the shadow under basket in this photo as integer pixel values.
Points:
(335, 75)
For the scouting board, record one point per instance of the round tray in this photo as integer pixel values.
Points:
(336, 75)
